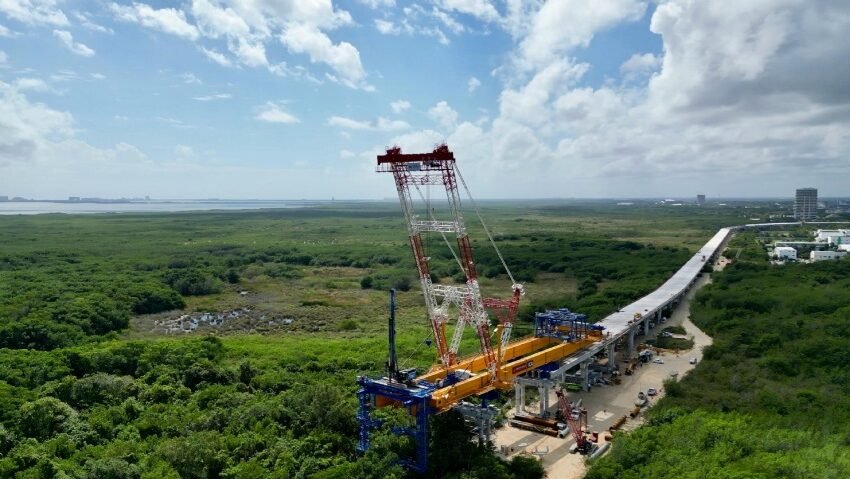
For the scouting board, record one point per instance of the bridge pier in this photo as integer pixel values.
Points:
(631, 346)
(543, 391)
(585, 373)
(612, 359)
(646, 327)
(519, 393)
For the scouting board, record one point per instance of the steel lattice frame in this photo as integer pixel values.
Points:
(438, 169)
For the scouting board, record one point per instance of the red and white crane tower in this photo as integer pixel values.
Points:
(438, 169)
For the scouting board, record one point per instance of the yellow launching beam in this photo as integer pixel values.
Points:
(478, 363)
(517, 361)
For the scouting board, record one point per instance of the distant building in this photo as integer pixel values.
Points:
(826, 255)
(806, 204)
(785, 252)
(4, 198)
(833, 237)
(700, 200)
(73, 198)
(839, 240)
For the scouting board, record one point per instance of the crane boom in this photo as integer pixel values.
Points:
(438, 168)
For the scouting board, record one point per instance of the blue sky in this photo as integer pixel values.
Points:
(292, 99)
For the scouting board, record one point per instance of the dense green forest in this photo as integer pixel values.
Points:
(771, 398)
(87, 392)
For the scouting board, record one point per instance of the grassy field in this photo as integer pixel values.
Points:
(91, 386)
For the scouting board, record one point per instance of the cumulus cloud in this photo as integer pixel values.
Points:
(765, 96)
(381, 124)
(342, 57)
(35, 12)
(399, 106)
(31, 84)
(386, 27)
(559, 27)
(248, 27)
(473, 84)
(443, 114)
(75, 47)
(420, 22)
(168, 20)
(640, 63)
(273, 112)
(481, 9)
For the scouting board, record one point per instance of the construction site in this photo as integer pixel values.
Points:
(566, 381)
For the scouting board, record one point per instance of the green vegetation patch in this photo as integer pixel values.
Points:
(770, 399)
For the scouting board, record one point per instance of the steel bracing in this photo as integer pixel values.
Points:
(438, 169)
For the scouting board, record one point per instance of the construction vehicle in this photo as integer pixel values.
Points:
(577, 421)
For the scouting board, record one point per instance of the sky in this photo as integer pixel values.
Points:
(292, 99)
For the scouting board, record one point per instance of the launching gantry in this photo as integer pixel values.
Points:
(453, 379)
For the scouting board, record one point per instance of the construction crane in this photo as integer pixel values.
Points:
(576, 419)
(438, 168)
(558, 334)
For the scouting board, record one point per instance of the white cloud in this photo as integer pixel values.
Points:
(473, 84)
(168, 20)
(420, 22)
(559, 27)
(342, 57)
(386, 27)
(31, 84)
(97, 76)
(215, 96)
(443, 114)
(453, 25)
(481, 9)
(274, 113)
(376, 4)
(190, 78)
(3, 58)
(381, 124)
(75, 47)
(399, 106)
(64, 75)
(345, 154)
(35, 12)
(5, 32)
(640, 63)
(86, 22)
(769, 97)
(217, 57)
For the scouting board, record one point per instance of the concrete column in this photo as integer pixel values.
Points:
(612, 360)
(541, 391)
(646, 327)
(584, 375)
(519, 393)
(631, 348)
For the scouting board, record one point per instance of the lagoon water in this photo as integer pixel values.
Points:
(43, 207)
